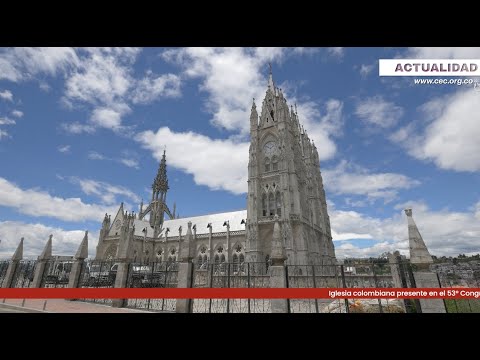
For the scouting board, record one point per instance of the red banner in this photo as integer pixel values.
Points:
(241, 293)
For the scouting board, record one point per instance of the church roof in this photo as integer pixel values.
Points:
(217, 220)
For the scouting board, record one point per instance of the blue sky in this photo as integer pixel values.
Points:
(83, 129)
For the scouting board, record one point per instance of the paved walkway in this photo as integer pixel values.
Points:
(62, 306)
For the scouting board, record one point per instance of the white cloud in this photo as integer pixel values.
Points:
(231, 77)
(129, 162)
(7, 121)
(44, 86)
(93, 155)
(17, 113)
(378, 111)
(445, 232)
(338, 52)
(65, 149)
(102, 76)
(78, 128)
(218, 164)
(152, 87)
(40, 203)
(105, 191)
(7, 70)
(322, 125)
(110, 118)
(443, 53)
(350, 179)
(102, 79)
(365, 70)
(128, 158)
(3, 134)
(17, 64)
(6, 95)
(450, 137)
(64, 242)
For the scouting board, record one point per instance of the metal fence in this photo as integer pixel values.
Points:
(3, 270)
(56, 274)
(236, 275)
(340, 276)
(153, 275)
(24, 274)
(459, 275)
(98, 274)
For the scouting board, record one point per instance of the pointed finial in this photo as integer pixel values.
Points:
(270, 67)
(47, 251)
(82, 252)
(296, 109)
(18, 255)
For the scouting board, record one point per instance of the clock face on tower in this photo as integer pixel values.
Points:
(270, 148)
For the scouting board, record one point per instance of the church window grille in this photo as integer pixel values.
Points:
(235, 263)
(267, 164)
(274, 163)
(278, 201)
(264, 204)
(271, 204)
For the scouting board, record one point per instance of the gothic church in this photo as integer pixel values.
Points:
(284, 181)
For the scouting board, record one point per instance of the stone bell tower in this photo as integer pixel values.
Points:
(284, 179)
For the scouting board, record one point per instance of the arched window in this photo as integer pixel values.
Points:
(274, 163)
(222, 263)
(278, 201)
(267, 164)
(159, 255)
(271, 114)
(235, 263)
(111, 252)
(242, 262)
(264, 204)
(271, 204)
(202, 258)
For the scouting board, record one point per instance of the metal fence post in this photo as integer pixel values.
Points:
(418, 307)
(228, 286)
(345, 286)
(248, 285)
(376, 285)
(315, 285)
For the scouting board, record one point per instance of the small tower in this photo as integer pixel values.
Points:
(419, 254)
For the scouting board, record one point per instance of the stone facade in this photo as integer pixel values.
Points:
(284, 180)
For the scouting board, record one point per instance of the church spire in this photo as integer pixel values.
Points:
(160, 184)
(253, 116)
(271, 84)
